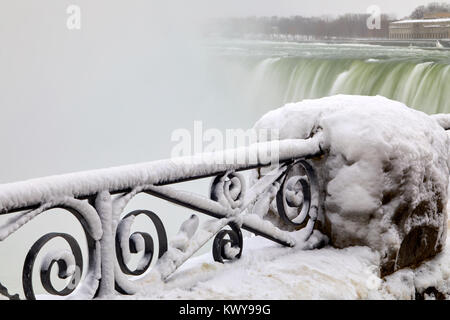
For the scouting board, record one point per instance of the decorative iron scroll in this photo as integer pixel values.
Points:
(230, 248)
(297, 199)
(139, 241)
(111, 243)
(63, 259)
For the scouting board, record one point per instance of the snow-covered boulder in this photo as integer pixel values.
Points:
(385, 175)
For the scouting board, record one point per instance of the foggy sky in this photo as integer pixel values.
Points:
(401, 8)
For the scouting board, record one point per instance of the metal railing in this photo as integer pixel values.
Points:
(99, 198)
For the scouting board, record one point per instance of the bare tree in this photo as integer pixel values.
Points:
(345, 26)
(433, 7)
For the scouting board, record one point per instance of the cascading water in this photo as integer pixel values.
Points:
(291, 72)
(424, 86)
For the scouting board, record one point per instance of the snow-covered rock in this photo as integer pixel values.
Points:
(384, 178)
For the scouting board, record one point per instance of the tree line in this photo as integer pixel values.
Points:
(351, 25)
(431, 8)
(348, 25)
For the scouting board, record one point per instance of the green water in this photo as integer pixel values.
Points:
(272, 74)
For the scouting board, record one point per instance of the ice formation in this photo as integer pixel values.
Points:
(385, 176)
(186, 232)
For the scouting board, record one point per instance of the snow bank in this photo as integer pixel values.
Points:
(384, 180)
(269, 271)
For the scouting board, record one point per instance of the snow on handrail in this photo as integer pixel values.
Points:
(118, 179)
(98, 199)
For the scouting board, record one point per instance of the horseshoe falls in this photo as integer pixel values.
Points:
(269, 75)
(424, 86)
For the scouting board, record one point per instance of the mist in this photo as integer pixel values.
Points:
(108, 94)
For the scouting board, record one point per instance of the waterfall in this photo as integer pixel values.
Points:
(423, 85)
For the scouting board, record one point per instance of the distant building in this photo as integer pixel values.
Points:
(438, 15)
(432, 26)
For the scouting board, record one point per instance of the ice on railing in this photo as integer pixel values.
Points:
(88, 213)
(186, 232)
(35, 191)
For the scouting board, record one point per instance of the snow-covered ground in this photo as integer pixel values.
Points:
(270, 271)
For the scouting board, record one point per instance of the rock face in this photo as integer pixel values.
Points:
(384, 179)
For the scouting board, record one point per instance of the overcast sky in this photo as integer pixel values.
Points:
(308, 7)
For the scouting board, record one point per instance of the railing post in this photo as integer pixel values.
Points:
(103, 205)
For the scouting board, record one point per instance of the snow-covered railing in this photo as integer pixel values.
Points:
(98, 199)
